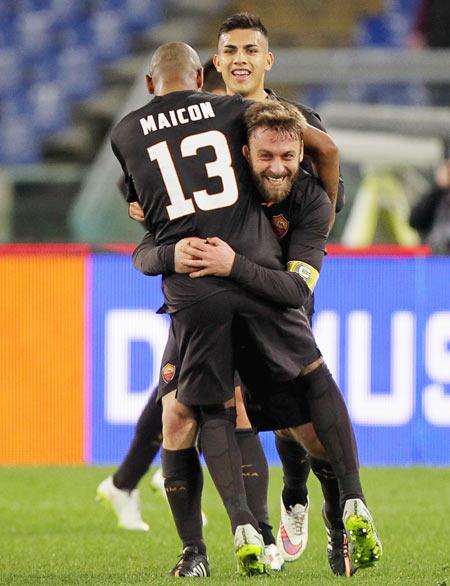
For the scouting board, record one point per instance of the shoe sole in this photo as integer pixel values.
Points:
(249, 560)
(364, 548)
(106, 503)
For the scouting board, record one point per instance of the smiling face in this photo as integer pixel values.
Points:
(243, 57)
(274, 159)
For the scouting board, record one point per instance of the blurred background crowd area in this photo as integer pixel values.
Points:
(378, 72)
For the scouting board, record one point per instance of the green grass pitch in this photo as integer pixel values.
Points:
(52, 532)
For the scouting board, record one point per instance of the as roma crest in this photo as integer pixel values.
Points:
(280, 225)
(168, 372)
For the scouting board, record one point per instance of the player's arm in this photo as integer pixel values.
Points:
(126, 184)
(290, 288)
(325, 155)
(153, 260)
(314, 120)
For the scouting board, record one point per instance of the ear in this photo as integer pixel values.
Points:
(199, 79)
(269, 61)
(246, 152)
(302, 151)
(150, 84)
(216, 61)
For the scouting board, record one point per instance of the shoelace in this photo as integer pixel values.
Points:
(299, 519)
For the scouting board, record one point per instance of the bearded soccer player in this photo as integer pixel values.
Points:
(286, 411)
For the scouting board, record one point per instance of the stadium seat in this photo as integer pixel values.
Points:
(143, 14)
(110, 39)
(78, 72)
(35, 34)
(49, 110)
(19, 142)
(11, 71)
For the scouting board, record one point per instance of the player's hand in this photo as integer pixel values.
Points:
(186, 251)
(214, 257)
(135, 211)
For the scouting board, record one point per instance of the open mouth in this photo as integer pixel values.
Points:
(241, 74)
(276, 181)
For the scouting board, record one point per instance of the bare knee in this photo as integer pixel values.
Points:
(242, 420)
(179, 424)
(285, 435)
(306, 435)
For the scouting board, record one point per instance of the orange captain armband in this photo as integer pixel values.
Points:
(308, 273)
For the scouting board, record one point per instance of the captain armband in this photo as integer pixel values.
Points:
(308, 273)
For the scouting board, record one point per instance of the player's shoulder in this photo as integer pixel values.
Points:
(308, 112)
(307, 193)
(129, 119)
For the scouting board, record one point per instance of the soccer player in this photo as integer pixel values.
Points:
(120, 491)
(243, 57)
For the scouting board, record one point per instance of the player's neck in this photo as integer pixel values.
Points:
(168, 88)
(258, 95)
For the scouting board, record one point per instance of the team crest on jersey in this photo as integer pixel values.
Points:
(168, 372)
(280, 225)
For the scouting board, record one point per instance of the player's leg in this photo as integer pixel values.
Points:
(255, 472)
(183, 482)
(337, 546)
(333, 427)
(207, 381)
(120, 490)
(292, 535)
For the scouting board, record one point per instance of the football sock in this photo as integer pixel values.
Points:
(332, 424)
(255, 472)
(295, 462)
(330, 490)
(223, 458)
(144, 447)
(183, 481)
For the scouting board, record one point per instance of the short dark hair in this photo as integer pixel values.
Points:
(243, 20)
(275, 115)
(212, 79)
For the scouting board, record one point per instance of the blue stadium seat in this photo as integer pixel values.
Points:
(142, 14)
(35, 34)
(75, 34)
(102, 5)
(8, 34)
(78, 72)
(19, 142)
(49, 111)
(69, 13)
(32, 5)
(11, 71)
(44, 69)
(110, 38)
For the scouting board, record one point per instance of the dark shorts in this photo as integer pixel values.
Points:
(282, 408)
(205, 337)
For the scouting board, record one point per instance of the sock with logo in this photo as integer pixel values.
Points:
(330, 490)
(296, 467)
(183, 481)
(255, 472)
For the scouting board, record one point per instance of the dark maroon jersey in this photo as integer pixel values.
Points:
(181, 155)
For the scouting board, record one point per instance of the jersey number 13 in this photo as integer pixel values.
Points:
(180, 205)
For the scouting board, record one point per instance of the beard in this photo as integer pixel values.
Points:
(270, 191)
